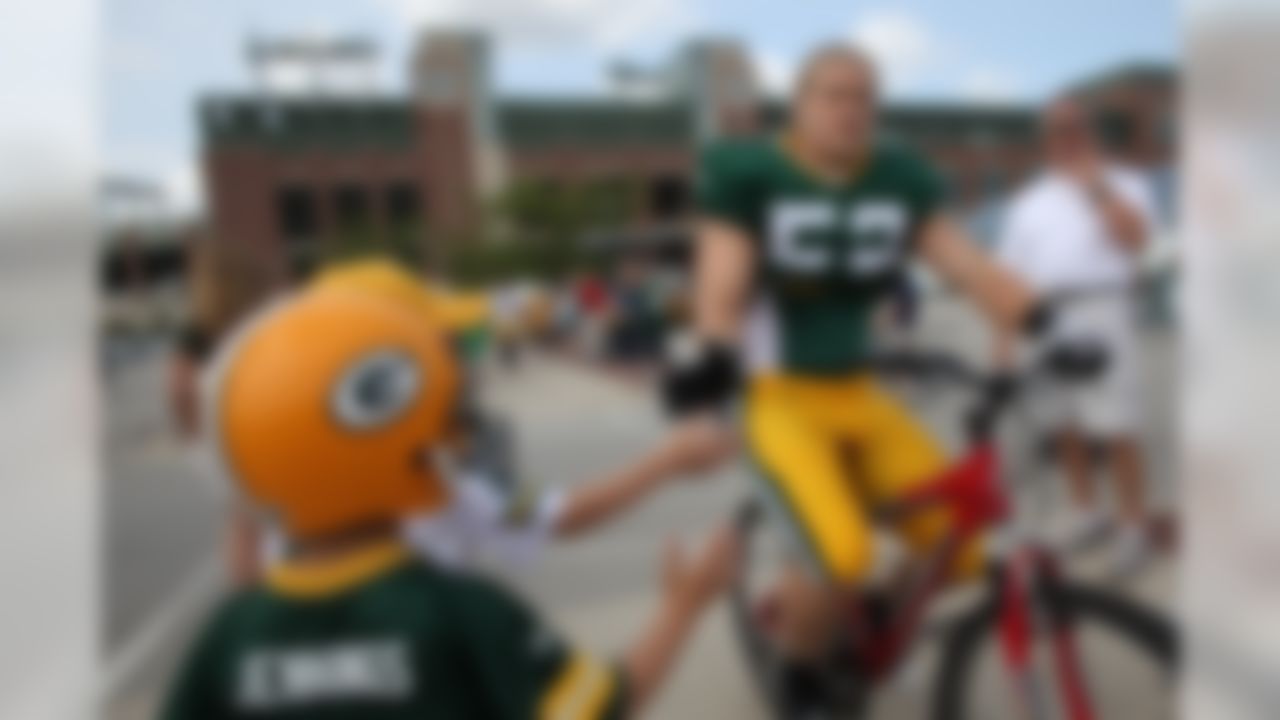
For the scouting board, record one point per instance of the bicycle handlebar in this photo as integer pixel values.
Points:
(1071, 362)
(927, 365)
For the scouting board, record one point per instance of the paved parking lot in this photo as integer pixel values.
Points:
(163, 522)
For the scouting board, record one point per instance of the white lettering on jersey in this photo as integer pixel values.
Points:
(271, 679)
(880, 227)
(788, 223)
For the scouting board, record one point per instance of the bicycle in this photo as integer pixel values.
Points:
(1026, 599)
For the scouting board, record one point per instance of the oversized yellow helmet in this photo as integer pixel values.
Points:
(455, 311)
(325, 409)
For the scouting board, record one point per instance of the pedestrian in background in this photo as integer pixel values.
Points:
(224, 287)
(592, 298)
(510, 306)
(1076, 230)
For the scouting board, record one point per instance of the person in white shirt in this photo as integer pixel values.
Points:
(1076, 230)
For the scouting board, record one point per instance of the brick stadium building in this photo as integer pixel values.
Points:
(286, 175)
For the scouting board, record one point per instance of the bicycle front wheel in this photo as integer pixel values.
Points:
(1127, 653)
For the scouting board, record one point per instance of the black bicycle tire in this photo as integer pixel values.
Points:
(752, 646)
(763, 664)
(1145, 628)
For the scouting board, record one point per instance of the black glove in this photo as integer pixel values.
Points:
(997, 393)
(1038, 320)
(1077, 360)
(700, 375)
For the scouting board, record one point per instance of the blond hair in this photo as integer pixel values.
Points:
(833, 52)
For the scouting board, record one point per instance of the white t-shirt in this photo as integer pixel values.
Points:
(1054, 238)
(481, 523)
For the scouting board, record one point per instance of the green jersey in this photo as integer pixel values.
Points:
(411, 643)
(826, 252)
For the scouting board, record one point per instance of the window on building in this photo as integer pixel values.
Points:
(351, 210)
(981, 136)
(994, 180)
(669, 197)
(950, 178)
(404, 205)
(272, 119)
(1168, 130)
(959, 183)
(1118, 130)
(296, 214)
(405, 221)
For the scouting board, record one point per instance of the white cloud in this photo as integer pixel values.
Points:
(776, 72)
(183, 186)
(989, 85)
(175, 173)
(916, 57)
(604, 25)
(903, 45)
(131, 58)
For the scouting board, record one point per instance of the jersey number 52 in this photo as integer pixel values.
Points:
(875, 229)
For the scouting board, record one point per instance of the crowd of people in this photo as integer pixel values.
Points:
(618, 314)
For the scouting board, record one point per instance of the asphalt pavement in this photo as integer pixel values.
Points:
(573, 423)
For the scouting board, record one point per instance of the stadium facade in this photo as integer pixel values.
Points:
(285, 173)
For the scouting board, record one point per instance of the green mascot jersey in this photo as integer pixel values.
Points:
(826, 252)
(413, 643)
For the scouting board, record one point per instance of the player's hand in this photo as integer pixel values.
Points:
(697, 444)
(692, 581)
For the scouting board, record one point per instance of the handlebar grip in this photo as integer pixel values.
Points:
(1078, 360)
(1039, 319)
(926, 366)
(997, 394)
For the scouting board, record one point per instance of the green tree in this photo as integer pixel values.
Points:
(536, 228)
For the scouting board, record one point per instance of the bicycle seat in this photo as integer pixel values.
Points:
(1076, 360)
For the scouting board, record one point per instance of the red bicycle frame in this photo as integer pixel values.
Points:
(972, 492)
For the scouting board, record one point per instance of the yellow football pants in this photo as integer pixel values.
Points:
(828, 447)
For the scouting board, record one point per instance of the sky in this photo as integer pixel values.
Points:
(159, 56)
